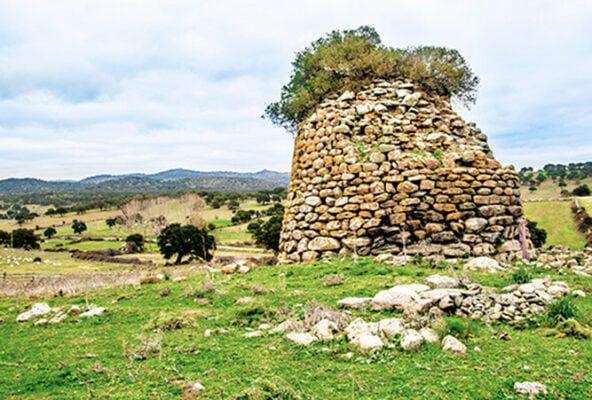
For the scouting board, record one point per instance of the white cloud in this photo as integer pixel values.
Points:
(92, 87)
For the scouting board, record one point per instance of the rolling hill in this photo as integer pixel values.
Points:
(175, 180)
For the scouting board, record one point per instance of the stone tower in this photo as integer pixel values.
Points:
(393, 169)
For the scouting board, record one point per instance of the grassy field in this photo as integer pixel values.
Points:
(174, 209)
(121, 356)
(550, 190)
(586, 202)
(557, 219)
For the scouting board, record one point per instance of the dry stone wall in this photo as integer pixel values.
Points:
(392, 169)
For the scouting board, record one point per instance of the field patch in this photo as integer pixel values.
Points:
(557, 219)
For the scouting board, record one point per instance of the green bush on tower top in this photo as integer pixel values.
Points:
(351, 59)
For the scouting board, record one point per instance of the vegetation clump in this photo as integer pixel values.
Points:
(186, 240)
(538, 236)
(351, 59)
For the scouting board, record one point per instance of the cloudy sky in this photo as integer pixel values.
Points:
(91, 87)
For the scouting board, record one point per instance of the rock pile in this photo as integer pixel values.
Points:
(560, 257)
(439, 296)
(448, 295)
(393, 169)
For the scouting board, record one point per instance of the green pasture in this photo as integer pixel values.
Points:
(124, 355)
(557, 219)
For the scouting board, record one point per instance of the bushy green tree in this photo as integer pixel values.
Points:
(242, 216)
(24, 238)
(268, 233)
(350, 59)
(186, 240)
(78, 226)
(4, 238)
(135, 243)
(538, 236)
(582, 190)
(49, 232)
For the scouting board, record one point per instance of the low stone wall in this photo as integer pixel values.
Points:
(393, 169)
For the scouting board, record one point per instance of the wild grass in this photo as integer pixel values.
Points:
(118, 355)
(557, 219)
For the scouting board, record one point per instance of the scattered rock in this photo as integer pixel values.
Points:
(303, 339)
(411, 340)
(391, 327)
(367, 342)
(359, 327)
(578, 293)
(253, 334)
(325, 330)
(442, 281)
(532, 388)
(229, 268)
(192, 389)
(485, 264)
(243, 269)
(42, 321)
(37, 310)
(453, 345)
(396, 297)
(354, 302)
(429, 335)
(94, 312)
(74, 310)
(245, 300)
(289, 326)
(58, 318)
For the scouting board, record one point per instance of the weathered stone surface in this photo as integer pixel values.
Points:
(94, 312)
(58, 318)
(475, 225)
(374, 168)
(429, 335)
(325, 330)
(453, 345)
(358, 327)
(323, 244)
(396, 297)
(485, 264)
(367, 342)
(411, 340)
(442, 281)
(530, 388)
(303, 339)
(391, 327)
(37, 310)
(288, 326)
(354, 302)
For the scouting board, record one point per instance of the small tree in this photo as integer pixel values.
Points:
(233, 205)
(4, 238)
(78, 226)
(268, 233)
(49, 232)
(262, 197)
(186, 240)
(24, 238)
(111, 222)
(582, 190)
(134, 243)
(538, 236)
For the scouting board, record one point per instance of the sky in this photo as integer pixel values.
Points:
(122, 86)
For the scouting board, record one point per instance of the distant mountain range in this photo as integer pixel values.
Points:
(174, 180)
